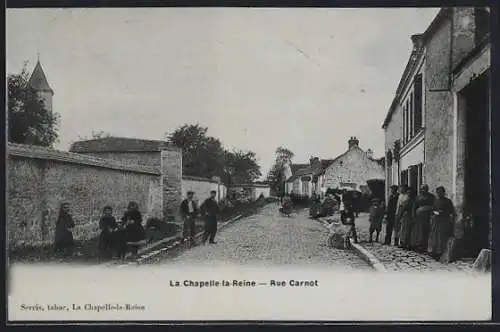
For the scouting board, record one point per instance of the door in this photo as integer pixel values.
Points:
(477, 187)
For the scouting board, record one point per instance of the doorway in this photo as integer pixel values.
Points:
(477, 183)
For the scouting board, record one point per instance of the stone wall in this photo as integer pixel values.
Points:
(353, 167)
(40, 179)
(152, 159)
(171, 181)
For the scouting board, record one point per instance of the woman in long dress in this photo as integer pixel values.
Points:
(405, 216)
(423, 209)
(442, 222)
(64, 236)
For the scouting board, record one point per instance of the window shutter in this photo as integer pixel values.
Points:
(418, 102)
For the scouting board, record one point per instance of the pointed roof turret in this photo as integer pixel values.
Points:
(38, 80)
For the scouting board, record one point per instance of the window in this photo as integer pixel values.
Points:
(418, 102)
(404, 177)
(420, 168)
(412, 111)
(413, 170)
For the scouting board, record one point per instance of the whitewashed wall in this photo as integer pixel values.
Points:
(202, 188)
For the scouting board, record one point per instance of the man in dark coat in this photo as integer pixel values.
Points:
(210, 210)
(392, 205)
(189, 212)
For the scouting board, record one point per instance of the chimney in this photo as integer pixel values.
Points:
(313, 161)
(353, 142)
(417, 41)
(369, 153)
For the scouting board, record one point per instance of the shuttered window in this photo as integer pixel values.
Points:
(418, 102)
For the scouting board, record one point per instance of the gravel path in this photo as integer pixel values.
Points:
(268, 238)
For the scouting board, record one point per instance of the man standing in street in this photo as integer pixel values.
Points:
(189, 212)
(210, 210)
(392, 205)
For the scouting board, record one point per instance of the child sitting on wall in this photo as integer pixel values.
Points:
(132, 234)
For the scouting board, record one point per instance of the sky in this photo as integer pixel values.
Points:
(258, 78)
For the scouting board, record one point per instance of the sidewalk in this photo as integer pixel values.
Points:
(397, 259)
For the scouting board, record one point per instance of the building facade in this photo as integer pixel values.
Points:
(437, 130)
(352, 169)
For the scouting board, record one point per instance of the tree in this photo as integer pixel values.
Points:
(240, 167)
(202, 155)
(276, 176)
(29, 122)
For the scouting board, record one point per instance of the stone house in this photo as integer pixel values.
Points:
(352, 169)
(437, 129)
(292, 184)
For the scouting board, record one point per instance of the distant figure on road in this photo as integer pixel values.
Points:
(210, 210)
(64, 236)
(287, 205)
(189, 212)
(392, 205)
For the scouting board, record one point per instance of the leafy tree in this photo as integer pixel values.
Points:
(202, 155)
(240, 167)
(276, 176)
(29, 122)
(205, 156)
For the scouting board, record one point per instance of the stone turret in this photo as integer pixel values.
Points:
(38, 84)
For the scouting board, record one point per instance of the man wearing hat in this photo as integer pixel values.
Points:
(189, 212)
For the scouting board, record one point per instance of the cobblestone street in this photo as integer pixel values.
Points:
(397, 259)
(271, 239)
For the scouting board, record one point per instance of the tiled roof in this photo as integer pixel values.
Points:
(296, 167)
(38, 80)
(119, 144)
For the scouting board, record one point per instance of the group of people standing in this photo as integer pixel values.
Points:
(190, 211)
(423, 223)
(116, 238)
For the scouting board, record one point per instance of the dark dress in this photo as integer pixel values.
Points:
(106, 241)
(131, 232)
(376, 216)
(441, 225)
(64, 237)
(423, 210)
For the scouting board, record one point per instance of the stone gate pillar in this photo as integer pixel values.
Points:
(171, 182)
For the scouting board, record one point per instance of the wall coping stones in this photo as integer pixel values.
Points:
(197, 178)
(37, 152)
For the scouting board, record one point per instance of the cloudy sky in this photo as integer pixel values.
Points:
(306, 79)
